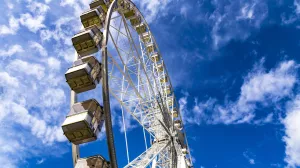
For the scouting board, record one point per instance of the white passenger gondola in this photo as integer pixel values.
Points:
(141, 28)
(88, 41)
(155, 57)
(136, 20)
(178, 124)
(188, 162)
(167, 90)
(92, 162)
(170, 101)
(184, 150)
(92, 17)
(123, 6)
(160, 67)
(84, 122)
(146, 37)
(180, 137)
(150, 47)
(164, 79)
(131, 13)
(84, 75)
(103, 3)
(174, 113)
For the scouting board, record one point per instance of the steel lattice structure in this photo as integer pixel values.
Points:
(138, 79)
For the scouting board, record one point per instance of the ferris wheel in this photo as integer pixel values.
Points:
(133, 72)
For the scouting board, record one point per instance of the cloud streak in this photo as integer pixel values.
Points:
(259, 87)
(292, 131)
(11, 51)
(233, 20)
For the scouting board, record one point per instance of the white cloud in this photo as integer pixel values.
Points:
(247, 156)
(247, 11)
(38, 47)
(198, 110)
(12, 50)
(33, 23)
(48, 1)
(276, 84)
(297, 5)
(38, 162)
(32, 130)
(183, 106)
(33, 101)
(18, 145)
(260, 86)
(128, 122)
(152, 9)
(35, 110)
(33, 20)
(266, 120)
(235, 19)
(38, 8)
(9, 5)
(7, 80)
(184, 10)
(65, 28)
(38, 127)
(53, 63)
(12, 28)
(79, 6)
(53, 97)
(16, 66)
(69, 55)
(292, 131)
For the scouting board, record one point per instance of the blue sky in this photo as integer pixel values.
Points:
(234, 65)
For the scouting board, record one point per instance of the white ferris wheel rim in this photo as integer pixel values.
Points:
(106, 35)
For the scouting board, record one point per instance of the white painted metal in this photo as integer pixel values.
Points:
(75, 148)
(146, 158)
(143, 88)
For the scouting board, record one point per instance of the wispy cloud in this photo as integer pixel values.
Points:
(260, 86)
(152, 9)
(38, 162)
(29, 116)
(292, 131)
(33, 19)
(297, 5)
(38, 47)
(128, 122)
(11, 51)
(33, 23)
(234, 19)
(248, 157)
(27, 68)
(184, 10)
(10, 29)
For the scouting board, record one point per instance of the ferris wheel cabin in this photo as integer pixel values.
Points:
(84, 75)
(84, 122)
(88, 41)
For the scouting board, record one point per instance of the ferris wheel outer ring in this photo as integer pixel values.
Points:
(105, 77)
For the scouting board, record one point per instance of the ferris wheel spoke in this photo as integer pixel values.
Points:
(134, 73)
(139, 81)
(146, 158)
